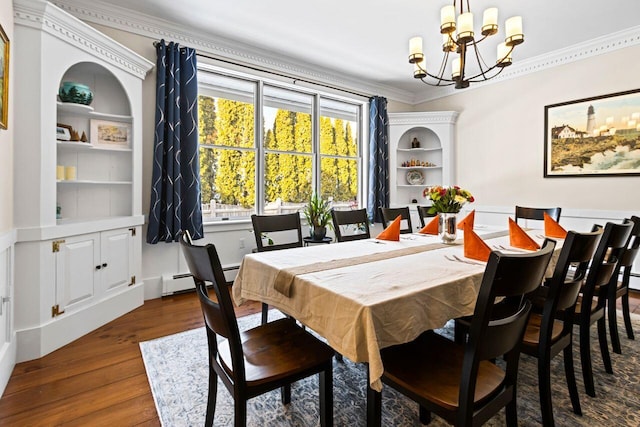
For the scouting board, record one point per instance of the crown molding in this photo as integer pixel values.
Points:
(428, 117)
(222, 48)
(598, 46)
(56, 22)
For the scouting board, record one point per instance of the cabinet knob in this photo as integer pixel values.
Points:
(104, 264)
(98, 267)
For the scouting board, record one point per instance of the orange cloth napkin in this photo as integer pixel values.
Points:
(474, 246)
(552, 228)
(467, 219)
(518, 238)
(392, 232)
(431, 227)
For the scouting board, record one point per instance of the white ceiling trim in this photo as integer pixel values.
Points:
(144, 25)
(73, 31)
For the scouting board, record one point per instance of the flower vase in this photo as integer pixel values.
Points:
(447, 228)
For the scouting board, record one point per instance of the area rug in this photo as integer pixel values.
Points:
(177, 369)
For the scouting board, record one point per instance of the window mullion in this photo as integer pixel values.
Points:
(315, 126)
(259, 145)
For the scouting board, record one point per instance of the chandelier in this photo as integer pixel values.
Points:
(459, 38)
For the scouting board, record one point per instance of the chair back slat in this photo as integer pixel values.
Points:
(423, 212)
(604, 267)
(537, 214)
(389, 214)
(356, 219)
(498, 327)
(204, 266)
(280, 224)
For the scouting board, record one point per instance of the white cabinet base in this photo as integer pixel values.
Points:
(36, 342)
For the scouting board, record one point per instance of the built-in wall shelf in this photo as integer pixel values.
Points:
(88, 111)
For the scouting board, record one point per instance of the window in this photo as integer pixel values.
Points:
(306, 142)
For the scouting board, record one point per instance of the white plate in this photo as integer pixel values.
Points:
(415, 177)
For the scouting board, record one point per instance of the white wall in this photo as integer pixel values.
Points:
(500, 136)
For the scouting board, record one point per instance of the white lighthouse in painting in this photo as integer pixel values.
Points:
(591, 120)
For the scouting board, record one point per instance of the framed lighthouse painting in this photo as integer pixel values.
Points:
(598, 136)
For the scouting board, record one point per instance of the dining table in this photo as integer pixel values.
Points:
(365, 295)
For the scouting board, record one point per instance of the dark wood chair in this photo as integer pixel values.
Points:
(423, 212)
(389, 214)
(253, 362)
(592, 302)
(619, 287)
(459, 382)
(356, 219)
(286, 226)
(537, 213)
(545, 335)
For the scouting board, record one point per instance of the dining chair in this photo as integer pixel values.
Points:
(545, 335)
(459, 382)
(537, 213)
(423, 212)
(389, 214)
(619, 287)
(356, 220)
(592, 300)
(253, 362)
(266, 227)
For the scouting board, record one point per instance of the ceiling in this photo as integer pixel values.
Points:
(367, 41)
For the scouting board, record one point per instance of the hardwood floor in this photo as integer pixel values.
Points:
(100, 379)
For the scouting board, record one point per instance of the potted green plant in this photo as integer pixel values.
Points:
(318, 215)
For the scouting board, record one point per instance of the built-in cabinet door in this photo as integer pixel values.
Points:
(77, 269)
(117, 260)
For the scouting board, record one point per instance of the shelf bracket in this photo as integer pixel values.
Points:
(55, 245)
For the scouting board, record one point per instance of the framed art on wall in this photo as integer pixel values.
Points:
(4, 79)
(110, 134)
(598, 136)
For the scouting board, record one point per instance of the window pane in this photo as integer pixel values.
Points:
(288, 179)
(227, 146)
(228, 183)
(287, 120)
(339, 181)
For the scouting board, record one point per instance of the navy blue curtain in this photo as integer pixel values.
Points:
(378, 157)
(175, 185)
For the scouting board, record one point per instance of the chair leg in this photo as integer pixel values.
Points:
(604, 347)
(265, 312)
(211, 399)
(240, 416)
(425, 415)
(613, 325)
(326, 397)
(570, 374)
(544, 386)
(627, 316)
(585, 358)
(511, 411)
(285, 394)
(374, 407)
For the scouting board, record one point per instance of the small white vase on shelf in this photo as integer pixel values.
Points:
(447, 227)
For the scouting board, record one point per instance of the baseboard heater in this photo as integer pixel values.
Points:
(183, 282)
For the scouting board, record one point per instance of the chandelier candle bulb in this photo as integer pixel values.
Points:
(455, 68)
(465, 27)
(415, 49)
(418, 71)
(447, 19)
(490, 21)
(513, 28)
(504, 55)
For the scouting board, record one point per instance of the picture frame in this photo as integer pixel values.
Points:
(109, 134)
(63, 133)
(597, 136)
(4, 79)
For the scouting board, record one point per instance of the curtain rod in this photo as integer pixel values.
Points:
(295, 79)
